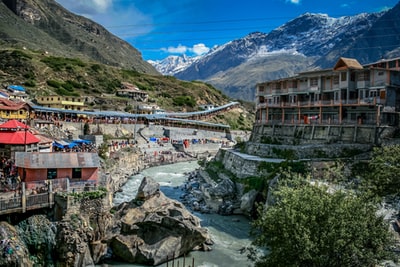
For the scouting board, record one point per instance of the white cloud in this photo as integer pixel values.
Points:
(180, 49)
(89, 7)
(296, 2)
(197, 49)
(200, 49)
(115, 17)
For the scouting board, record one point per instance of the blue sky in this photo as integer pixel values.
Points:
(159, 28)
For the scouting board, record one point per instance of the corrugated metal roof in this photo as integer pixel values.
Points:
(37, 160)
(163, 116)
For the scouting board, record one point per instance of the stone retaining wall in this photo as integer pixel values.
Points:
(317, 134)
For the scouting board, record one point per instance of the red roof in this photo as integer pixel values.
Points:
(6, 104)
(14, 124)
(17, 138)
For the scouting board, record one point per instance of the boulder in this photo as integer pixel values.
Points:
(154, 228)
(247, 201)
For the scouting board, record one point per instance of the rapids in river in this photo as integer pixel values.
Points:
(229, 233)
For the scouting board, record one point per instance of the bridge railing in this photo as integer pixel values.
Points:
(39, 194)
(10, 203)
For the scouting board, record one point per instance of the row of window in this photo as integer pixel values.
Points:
(76, 173)
(314, 81)
(363, 94)
(59, 99)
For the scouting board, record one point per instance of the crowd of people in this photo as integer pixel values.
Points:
(10, 180)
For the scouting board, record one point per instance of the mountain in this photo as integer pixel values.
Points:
(173, 64)
(44, 25)
(310, 41)
(49, 50)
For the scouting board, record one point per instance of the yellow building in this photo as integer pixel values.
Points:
(14, 110)
(62, 102)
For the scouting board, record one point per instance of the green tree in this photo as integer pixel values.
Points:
(310, 226)
(383, 175)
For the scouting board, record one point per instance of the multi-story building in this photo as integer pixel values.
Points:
(14, 109)
(62, 102)
(349, 93)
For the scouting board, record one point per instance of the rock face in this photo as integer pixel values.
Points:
(153, 228)
(63, 33)
(82, 234)
(14, 252)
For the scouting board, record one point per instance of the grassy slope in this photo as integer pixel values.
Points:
(43, 74)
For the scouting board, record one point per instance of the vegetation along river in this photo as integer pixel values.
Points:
(230, 233)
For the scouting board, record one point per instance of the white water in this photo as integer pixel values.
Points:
(229, 233)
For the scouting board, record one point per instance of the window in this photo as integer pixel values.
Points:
(392, 64)
(51, 173)
(382, 65)
(336, 80)
(373, 93)
(343, 76)
(352, 77)
(293, 84)
(76, 173)
(314, 82)
(363, 76)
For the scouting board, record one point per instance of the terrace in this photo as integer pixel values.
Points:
(39, 194)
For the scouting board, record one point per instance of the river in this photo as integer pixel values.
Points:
(229, 233)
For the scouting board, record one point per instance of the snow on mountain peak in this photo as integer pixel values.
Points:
(173, 64)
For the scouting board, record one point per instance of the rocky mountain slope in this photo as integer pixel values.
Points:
(44, 25)
(49, 50)
(308, 42)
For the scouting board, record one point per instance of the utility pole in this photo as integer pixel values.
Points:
(134, 128)
(26, 129)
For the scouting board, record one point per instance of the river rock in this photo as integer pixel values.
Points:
(154, 228)
(247, 201)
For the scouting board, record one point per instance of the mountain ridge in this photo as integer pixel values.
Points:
(47, 26)
(318, 38)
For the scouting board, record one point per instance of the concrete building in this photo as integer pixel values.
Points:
(14, 109)
(349, 93)
(62, 102)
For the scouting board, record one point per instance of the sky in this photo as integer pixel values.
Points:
(159, 28)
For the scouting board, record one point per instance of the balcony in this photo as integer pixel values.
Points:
(363, 84)
(325, 103)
